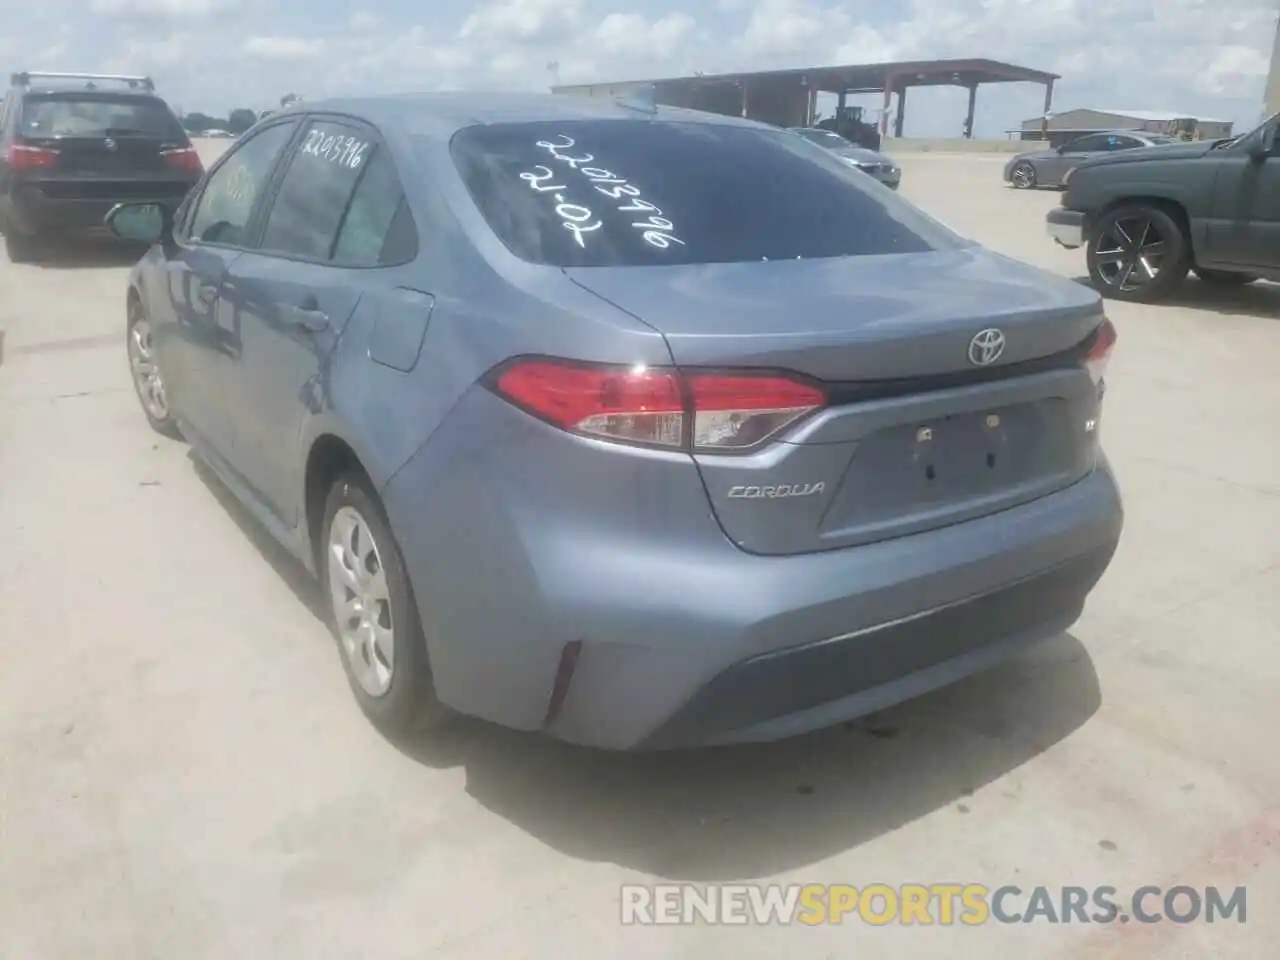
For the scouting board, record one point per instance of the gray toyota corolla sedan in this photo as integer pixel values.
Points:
(639, 427)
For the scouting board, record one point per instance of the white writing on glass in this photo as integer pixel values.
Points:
(656, 230)
(573, 217)
(336, 148)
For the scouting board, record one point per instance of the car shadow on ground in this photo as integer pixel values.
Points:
(82, 253)
(750, 811)
(733, 813)
(1257, 299)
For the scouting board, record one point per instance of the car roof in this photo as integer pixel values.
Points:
(44, 89)
(443, 114)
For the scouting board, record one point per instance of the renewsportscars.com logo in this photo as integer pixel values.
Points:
(920, 904)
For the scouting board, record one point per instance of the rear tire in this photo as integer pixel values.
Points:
(1224, 278)
(1023, 176)
(373, 614)
(20, 247)
(1137, 253)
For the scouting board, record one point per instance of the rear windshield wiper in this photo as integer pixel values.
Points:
(124, 132)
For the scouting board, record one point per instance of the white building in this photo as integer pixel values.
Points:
(1075, 123)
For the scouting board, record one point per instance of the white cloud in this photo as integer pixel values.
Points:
(161, 8)
(1184, 55)
(284, 48)
(626, 33)
(520, 21)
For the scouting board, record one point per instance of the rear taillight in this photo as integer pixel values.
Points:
(1099, 352)
(185, 159)
(707, 412)
(23, 157)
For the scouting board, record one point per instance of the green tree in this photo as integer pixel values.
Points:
(240, 120)
(198, 122)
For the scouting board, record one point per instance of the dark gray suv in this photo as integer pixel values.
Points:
(1147, 217)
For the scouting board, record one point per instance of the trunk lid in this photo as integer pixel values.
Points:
(116, 157)
(853, 318)
(916, 434)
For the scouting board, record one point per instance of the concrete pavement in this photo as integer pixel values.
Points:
(183, 772)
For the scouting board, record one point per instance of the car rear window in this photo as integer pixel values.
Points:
(86, 115)
(593, 193)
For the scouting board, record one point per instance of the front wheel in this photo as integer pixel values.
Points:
(1224, 278)
(1023, 176)
(1137, 253)
(147, 380)
(373, 612)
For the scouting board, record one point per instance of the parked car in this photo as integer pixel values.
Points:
(873, 162)
(72, 145)
(1050, 167)
(585, 431)
(1147, 217)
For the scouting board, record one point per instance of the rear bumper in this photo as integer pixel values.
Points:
(808, 687)
(685, 639)
(32, 210)
(1067, 227)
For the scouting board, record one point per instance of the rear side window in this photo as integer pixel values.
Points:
(316, 191)
(87, 115)
(378, 229)
(592, 193)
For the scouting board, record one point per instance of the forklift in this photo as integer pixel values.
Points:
(849, 124)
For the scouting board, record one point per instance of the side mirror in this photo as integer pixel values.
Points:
(1264, 145)
(140, 222)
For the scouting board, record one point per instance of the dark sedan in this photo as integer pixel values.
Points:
(1049, 168)
(871, 162)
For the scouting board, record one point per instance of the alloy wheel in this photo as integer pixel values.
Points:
(361, 600)
(146, 373)
(1024, 176)
(1130, 253)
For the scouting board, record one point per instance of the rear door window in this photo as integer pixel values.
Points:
(98, 116)
(316, 191)
(635, 193)
(1090, 144)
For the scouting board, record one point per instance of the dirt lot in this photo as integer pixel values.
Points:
(183, 773)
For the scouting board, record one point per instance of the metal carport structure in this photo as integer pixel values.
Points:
(788, 97)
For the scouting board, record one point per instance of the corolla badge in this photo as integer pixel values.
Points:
(110, 144)
(986, 347)
(777, 491)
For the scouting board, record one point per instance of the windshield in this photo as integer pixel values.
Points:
(625, 193)
(1239, 138)
(825, 138)
(85, 115)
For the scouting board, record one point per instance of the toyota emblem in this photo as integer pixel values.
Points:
(109, 143)
(986, 347)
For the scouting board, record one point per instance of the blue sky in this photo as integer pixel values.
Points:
(1195, 56)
